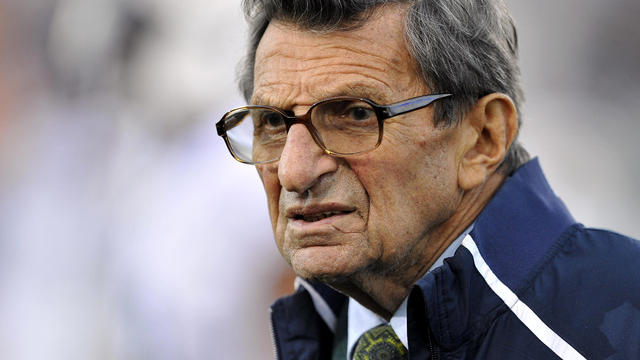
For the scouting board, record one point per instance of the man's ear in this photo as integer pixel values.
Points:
(488, 131)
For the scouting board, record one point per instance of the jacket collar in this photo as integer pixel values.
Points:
(514, 233)
(520, 223)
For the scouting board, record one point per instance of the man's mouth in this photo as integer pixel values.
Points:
(318, 212)
(313, 221)
(319, 216)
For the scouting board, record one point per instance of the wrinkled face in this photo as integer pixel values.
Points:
(336, 217)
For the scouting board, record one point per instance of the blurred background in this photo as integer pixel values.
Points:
(128, 232)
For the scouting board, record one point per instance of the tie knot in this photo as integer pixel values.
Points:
(380, 343)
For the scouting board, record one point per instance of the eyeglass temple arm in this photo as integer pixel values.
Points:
(412, 104)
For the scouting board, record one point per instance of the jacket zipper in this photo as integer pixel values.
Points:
(432, 351)
(274, 336)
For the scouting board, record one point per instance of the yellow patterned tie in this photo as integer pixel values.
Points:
(380, 343)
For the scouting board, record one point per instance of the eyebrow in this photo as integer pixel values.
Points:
(257, 100)
(359, 90)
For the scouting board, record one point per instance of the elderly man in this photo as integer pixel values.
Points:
(384, 133)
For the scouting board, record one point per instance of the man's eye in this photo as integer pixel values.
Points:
(360, 113)
(272, 120)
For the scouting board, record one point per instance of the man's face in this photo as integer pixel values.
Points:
(335, 217)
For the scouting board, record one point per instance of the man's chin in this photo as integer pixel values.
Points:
(326, 265)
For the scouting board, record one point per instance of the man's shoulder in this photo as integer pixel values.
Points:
(610, 251)
(588, 291)
(601, 264)
(586, 258)
(608, 236)
(299, 330)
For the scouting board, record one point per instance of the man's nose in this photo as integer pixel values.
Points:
(302, 161)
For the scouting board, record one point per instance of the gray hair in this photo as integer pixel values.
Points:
(468, 48)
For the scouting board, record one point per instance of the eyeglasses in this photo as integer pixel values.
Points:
(341, 126)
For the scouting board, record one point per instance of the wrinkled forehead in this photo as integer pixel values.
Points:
(372, 55)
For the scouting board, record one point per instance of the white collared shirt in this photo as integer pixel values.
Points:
(360, 319)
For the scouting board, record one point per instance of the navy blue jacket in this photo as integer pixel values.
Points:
(527, 283)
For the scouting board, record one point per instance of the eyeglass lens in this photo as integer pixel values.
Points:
(345, 127)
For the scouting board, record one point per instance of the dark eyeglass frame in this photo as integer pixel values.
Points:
(383, 112)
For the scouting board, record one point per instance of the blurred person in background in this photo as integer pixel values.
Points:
(111, 240)
(438, 237)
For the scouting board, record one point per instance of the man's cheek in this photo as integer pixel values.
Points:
(279, 237)
(269, 176)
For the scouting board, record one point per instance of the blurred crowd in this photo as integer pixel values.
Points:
(125, 231)
(128, 232)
